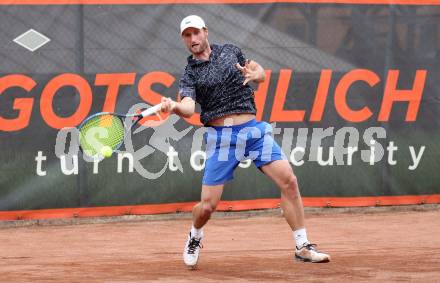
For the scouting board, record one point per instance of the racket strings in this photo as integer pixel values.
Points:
(100, 131)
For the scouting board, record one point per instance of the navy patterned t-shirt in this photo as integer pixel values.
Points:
(217, 84)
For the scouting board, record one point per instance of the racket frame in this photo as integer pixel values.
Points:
(147, 112)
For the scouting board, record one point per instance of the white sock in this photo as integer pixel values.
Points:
(300, 237)
(198, 233)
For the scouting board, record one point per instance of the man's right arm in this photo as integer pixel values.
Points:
(187, 91)
(184, 108)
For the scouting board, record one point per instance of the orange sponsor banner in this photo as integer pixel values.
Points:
(240, 205)
(392, 95)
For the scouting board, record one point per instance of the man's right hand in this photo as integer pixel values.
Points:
(168, 105)
(185, 108)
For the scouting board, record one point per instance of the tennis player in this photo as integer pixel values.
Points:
(217, 78)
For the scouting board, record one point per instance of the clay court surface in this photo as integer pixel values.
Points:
(384, 246)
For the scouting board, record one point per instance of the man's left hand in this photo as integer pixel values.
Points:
(251, 71)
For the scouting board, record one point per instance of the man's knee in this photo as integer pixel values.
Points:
(290, 185)
(208, 208)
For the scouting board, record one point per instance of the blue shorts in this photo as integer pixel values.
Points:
(227, 146)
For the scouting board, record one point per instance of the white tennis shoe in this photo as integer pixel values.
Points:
(309, 253)
(191, 251)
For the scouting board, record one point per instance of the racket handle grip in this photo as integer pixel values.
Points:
(151, 110)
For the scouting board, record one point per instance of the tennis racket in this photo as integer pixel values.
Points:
(106, 131)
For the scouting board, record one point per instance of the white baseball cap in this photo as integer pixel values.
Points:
(192, 21)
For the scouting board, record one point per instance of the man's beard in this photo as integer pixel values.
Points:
(201, 48)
